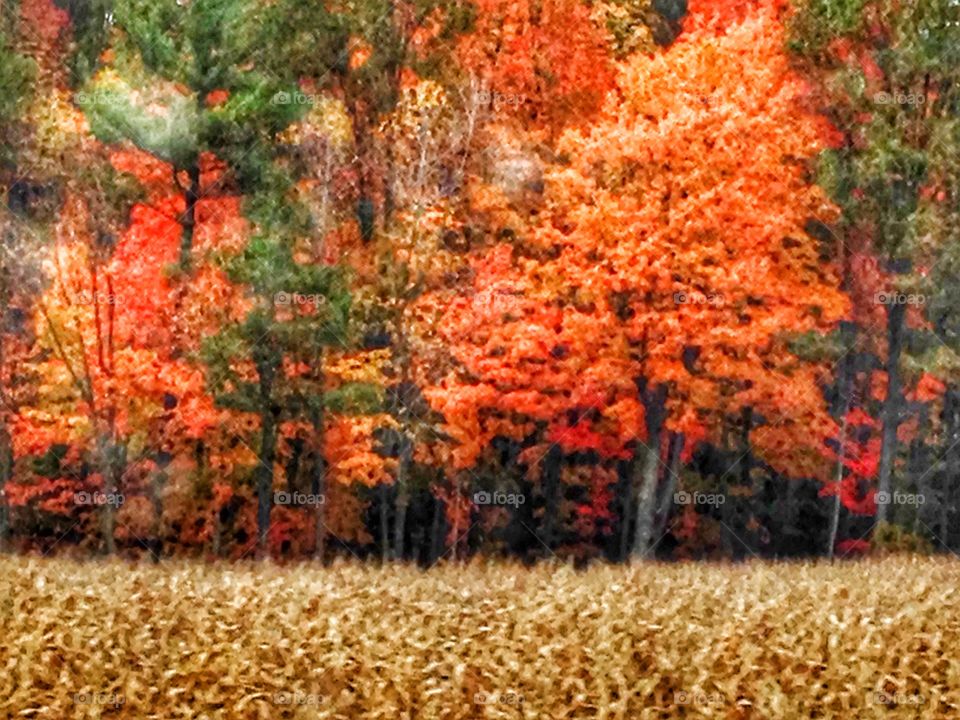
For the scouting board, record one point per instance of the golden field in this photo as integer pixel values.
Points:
(871, 639)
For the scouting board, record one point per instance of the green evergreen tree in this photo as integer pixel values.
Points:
(17, 267)
(169, 57)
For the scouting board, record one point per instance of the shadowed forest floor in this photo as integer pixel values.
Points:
(864, 639)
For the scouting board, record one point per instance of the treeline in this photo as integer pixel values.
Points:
(423, 280)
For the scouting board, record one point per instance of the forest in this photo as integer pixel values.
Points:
(431, 280)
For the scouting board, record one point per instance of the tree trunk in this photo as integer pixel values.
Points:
(318, 484)
(318, 488)
(627, 499)
(292, 470)
(217, 534)
(365, 208)
(402, 503)
(671, 475)
(746, 449)
(740, 538)
(200, 461)
(191, 196)
(6, 474)
(950, 462)
(157, 483)
(436, 532)
(654, 402)
(841, 408)
(264, 475)
(384, 492)
(891, 406)
(114, 459)
(551, 490)
(726, 510)
(918, 465)
(318, 480)
(787, 517)
(837, 478)
(456, 516)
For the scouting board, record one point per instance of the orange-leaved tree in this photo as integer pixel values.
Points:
(546, 64)
(682, 212)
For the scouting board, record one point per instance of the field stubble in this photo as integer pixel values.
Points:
(871, 639)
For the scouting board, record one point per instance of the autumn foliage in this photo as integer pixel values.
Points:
(341, 288)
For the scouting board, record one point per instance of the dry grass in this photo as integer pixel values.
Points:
(864, 640)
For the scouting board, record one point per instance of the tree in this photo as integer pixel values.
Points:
(545, 64)
(682, 212)
(884, 72)
(18, 257)
(75, 323)
(184, 79)
(297, 311)
(530, 369)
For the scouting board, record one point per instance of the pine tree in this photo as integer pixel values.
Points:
(18, 268)
(184, 79)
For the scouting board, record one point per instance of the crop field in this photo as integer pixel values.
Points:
(872, 639)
